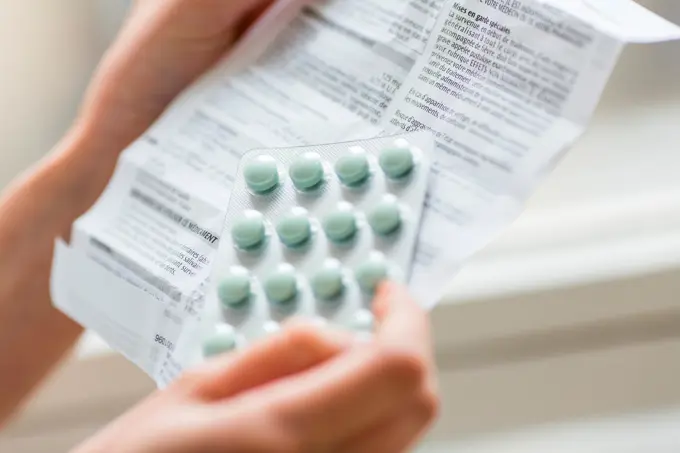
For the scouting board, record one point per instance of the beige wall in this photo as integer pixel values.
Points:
(47, 50)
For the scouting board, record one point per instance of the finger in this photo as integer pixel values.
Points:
(355, 390)
(250, 17)
(405, 325)
(163, 47)
(297, 348)
(401, 322)
(342, 397)
(213, 16)
(398, 433)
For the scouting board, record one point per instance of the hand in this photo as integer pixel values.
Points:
(163, 46)
(305, 390)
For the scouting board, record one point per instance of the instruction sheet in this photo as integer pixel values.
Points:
(504, 86)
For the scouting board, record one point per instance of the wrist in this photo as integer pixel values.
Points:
(89, 143)
(68, 181)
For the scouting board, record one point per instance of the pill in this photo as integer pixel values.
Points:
(262, 174)
(281, 286)
(362, 321)
(307, 172)
(295, 228)
(397, 161)
(249, 232)
(353, 169)
(271, 328)
(222, 341)
(371, 273)
(385, 217)
(341, 224)
(328, 284)
(234, 290)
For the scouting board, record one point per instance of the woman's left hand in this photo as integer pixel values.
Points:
(163, 46)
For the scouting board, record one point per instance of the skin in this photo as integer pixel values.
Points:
(306, 390)
(309, 389)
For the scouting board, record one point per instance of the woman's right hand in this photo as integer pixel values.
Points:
(307, 389)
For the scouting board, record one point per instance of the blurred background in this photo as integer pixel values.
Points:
(564, 335)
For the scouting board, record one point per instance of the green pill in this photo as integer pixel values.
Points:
(371, 273)
(221, 342)
(341, 225)
(328, 283)
(281, 287)
(362, 321)
(262, 174)
(353, 169)
(307, 172)
(249, 232)
(385, 218)
(397, 162)
(295, 229)
(234, 290)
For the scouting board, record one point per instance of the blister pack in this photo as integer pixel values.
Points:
(310, 232)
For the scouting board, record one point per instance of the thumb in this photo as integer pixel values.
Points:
(299, 347)
(401, 322)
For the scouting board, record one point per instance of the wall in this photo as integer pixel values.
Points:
(47, 55)
(582, 345)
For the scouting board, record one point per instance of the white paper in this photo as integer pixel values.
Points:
(624, 20)
(505, 86)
